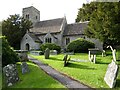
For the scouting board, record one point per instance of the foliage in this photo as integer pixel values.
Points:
(104, 21)
(51, 46)
(86, 72)
(33, 79)
(79, 45)
(8, 55)
(14, 29)
(0, 29)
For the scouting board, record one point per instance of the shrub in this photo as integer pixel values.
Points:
(8, 55)
(80, 45)
(51, 46)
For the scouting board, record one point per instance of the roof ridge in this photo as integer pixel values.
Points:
(50, 19)
(78, 23)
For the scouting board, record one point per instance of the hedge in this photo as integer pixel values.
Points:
(51, 46)
(79, 45)
(8, 55)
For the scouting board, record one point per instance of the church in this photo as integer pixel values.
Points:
(52, 31)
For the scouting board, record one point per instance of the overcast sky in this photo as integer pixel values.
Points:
(49, 9)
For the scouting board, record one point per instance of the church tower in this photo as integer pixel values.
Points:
(32, 14)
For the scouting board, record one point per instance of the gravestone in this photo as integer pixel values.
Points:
(47, 53)
(92, 54)
(65, 57)
(66, 60)
(25, 68)
(111, 74)
(22, 54)
(37, 53)
(11, 75)
(53, 52)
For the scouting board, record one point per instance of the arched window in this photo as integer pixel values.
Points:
(48, 40)
(67, 40)
(36, 17)
(27, 16)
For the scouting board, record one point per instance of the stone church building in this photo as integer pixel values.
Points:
(51, 31)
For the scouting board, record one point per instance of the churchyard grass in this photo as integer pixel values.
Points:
(86, 72)
(36, 78)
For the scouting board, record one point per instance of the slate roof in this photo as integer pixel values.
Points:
(34, 37)
(52, 26)
(74, 29)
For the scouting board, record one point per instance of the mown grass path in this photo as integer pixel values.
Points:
(65, 80)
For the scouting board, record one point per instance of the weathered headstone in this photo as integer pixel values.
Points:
(111, 74)
(92, 54)
(22, 54)
(66, 61)
(47, 53)
(113, 52)
(53, 52)
(103, 53)
(25, 68)
(65, 57)
(10, 74)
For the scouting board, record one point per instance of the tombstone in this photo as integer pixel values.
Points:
(103, 53)
(66, 61)
(92, 54)
(53, 52)
(111, 74)
(47, 53)
(25, 68)
(113, 52)
(37, 53)
(11, 75)
(65, 57)
(22, 54)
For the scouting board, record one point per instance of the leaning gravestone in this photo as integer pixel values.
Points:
(10, 74)
(25, 68)
(111, 74)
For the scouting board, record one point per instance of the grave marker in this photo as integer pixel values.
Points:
(25, 68)
(11, 74)
(111, 74)
(47, 53)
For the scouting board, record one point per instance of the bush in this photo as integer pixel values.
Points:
(8, 55)
(51, 46)
(80, 45)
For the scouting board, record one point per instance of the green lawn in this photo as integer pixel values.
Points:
(86, 72)
(36, 78)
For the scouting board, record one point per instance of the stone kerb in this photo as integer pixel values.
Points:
(111, 74)
(11, 74)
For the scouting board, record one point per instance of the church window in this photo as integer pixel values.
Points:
(67, 40)
(36, 17)
(48, 40)
(27, 16)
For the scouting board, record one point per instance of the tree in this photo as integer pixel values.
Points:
(8, 55)
(14, 29)
(104, 21)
